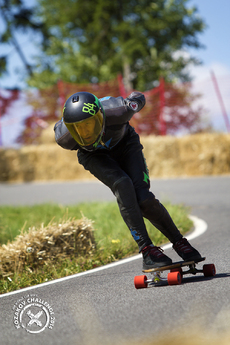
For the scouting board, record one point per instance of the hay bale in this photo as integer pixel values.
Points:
(191, 155)
(205, 154)
(47, 135)
(40, 163)
(9, 165)
(161, 155)
(55, 163)
(40, 246)
(17, 165)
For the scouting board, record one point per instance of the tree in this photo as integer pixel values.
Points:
(94, 40)
(17, 17)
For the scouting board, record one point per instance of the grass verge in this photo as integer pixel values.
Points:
(113, 239)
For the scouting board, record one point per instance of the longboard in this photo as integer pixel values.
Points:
(175, 275)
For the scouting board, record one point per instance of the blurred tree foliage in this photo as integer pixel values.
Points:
(90, 42)
(94, 40)
(17, 17)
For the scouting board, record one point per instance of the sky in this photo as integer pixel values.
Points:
(215, 58)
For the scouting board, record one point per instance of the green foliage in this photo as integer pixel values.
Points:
(94, 40)
(3, 62)
(17, 17)
(108, 222)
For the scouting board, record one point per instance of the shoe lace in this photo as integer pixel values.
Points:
(183, 246)
(156, 251)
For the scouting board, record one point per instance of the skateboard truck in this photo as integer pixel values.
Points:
(175, 275)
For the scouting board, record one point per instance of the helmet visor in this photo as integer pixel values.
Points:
(87, 131)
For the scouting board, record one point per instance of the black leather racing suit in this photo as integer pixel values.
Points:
(119, 163)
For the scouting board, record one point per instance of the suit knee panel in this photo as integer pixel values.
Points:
(123, 188)
(150, 206)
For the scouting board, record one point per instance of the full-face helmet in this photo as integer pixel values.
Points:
(84, 117)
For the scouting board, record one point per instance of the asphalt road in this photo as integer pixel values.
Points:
(103, 307)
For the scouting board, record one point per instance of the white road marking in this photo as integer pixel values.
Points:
(199, 225)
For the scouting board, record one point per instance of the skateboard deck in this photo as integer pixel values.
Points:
(173, 265)
(175, 275)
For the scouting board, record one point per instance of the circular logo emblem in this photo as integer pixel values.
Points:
(133, 105)
(33, 314)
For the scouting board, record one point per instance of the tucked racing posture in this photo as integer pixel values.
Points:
(110, 149)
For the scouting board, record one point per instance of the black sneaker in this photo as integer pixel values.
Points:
(153, 257)
(186, 251)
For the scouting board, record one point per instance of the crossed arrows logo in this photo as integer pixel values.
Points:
(34, 318)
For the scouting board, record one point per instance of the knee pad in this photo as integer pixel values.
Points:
(151, 207)
(144, 196)
(124, 190)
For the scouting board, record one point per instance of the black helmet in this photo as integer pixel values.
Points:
(84, 117)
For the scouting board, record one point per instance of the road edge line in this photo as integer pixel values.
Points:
(200, 226)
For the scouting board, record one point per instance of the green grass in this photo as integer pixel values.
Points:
(111, 234)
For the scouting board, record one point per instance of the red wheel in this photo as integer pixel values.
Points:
(209, 270)
(174, 278)
(140, 282)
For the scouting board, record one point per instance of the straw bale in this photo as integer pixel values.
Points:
(40, 163)
(191, 155)
(40, 246)
(205, 154)
(47, 135)
(161, 155)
